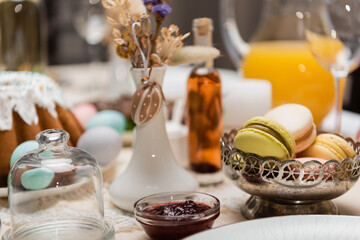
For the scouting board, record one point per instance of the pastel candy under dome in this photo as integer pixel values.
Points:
(84, 112)
(22, 149)
(36, 179)
(103, 142)
(109, 118)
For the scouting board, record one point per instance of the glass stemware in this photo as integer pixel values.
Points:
(277, 51)
(91, 25)
(332, 28)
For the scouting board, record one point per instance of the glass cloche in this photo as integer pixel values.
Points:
(55, 192)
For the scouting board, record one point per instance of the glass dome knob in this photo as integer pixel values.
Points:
(53, 137)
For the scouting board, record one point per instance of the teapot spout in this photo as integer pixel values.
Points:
(236, 47)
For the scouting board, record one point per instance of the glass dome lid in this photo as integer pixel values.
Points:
(55, 192)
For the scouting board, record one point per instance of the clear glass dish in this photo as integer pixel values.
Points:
(55, 192)
(176, 226)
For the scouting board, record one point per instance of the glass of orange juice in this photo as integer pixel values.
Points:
(333, 35)
(278, 52)
(295, 75)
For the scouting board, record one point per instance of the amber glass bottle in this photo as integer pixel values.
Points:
(204, 111)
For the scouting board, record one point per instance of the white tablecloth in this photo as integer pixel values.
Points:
(231, 198)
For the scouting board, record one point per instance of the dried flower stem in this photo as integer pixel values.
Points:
(147, 46)
(153, 40)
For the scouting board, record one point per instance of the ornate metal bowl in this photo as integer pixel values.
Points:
(288, 187)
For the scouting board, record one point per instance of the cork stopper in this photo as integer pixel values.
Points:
(202, 26)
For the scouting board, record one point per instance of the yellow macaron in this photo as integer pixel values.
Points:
(266, 138)
(329, 146)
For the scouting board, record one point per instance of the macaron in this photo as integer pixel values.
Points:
(266, 138)
(329, 146)
(298, 120)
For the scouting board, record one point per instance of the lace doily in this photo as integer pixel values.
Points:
(22, 92)
(126, 225)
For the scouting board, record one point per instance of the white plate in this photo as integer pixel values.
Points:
(319, 227)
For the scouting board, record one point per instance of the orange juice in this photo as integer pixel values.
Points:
(295, 75)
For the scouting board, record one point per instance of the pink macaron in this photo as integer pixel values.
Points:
(298, 120)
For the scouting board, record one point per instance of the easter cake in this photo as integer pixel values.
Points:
(30, 103)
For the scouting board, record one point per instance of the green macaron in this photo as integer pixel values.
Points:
(266, 138)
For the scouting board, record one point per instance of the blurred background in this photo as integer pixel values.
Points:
(63, 33)
(77, 33)
(68, 44)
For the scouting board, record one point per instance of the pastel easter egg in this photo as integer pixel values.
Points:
(146, 103)
(109, 118)
(37, 179)
(22, 149)
(84, 112)
(103, 143)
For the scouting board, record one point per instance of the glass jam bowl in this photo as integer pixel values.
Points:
(175, 215)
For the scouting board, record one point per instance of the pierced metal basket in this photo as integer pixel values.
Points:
(289, 187)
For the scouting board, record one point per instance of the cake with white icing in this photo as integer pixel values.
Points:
(29, 103)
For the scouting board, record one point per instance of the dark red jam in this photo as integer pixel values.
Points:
(177, 208)
(176, 223)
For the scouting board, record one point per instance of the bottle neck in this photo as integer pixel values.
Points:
(204, 40)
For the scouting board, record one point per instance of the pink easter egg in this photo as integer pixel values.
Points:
(84, 111)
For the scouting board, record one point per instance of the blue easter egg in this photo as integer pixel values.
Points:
(109, 118)
(37, 179)
(22, 149)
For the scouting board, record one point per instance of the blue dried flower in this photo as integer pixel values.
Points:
(162, 9)
(153, 2)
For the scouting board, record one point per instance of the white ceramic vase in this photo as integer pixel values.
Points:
(152, 168)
